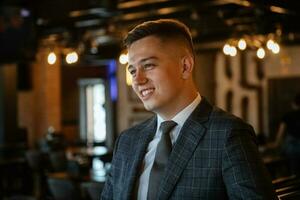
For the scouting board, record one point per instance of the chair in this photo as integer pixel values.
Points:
(290, 195)
(92, 189)
(35, 162)
(285, 181)
(288, 188)
(63, 189)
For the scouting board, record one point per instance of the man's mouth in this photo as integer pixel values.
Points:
(146, 92)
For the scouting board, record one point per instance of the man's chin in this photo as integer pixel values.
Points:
(148, 107)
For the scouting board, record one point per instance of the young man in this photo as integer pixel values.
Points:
(206, 153)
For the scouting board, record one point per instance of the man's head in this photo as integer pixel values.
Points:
(161, 61)
(164, 29)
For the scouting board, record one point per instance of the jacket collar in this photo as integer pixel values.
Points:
(190, 135)
(145, 133)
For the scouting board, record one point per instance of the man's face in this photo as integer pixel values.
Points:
(156, 69)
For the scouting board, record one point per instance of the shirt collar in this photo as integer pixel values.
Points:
(182, 116)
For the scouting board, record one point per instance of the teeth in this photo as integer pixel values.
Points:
(146, 92)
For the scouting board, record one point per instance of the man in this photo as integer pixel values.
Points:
(213, 154)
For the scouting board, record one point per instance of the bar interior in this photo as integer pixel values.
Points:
(65, 94)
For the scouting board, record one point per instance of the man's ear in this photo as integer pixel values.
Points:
(187, 66)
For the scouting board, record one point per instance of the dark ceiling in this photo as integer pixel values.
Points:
(210, 20)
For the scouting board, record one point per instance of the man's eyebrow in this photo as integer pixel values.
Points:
(129, 67)
(148, 58)
(142, 61)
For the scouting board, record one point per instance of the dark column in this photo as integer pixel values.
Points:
(8, 103)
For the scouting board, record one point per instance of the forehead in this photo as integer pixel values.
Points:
(145, 43)
(147, 46)
(150, 46)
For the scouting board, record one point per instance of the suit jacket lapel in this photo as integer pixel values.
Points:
(190, 135)
(138, 150)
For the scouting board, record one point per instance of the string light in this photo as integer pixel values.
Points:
(273, 46)
(72, 57)
(276, 48)
(123, 59)
(270, 44)
(226, 49)
(229, 50)
(51, 58)
(242, 44)
(261, 53)
(254, 42)
(233, 51)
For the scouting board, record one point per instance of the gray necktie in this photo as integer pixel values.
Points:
(163, 151)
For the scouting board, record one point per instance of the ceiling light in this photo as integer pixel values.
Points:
(276, 48)
(242, 44)
(51, 58)
(72, 57)
(123, 59)
(233, 51)
(261, 53)
(226, 49)
(270, 44)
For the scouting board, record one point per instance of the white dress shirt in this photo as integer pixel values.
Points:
(180, 119)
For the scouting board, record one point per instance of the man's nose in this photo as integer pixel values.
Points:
(140, 77)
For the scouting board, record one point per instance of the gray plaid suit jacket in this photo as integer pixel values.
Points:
(214, 157)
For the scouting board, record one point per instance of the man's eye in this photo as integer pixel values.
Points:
(149, 66)
(132, 72)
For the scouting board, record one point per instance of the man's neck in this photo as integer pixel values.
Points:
(169, 115)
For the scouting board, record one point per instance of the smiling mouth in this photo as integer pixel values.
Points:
(146, 92)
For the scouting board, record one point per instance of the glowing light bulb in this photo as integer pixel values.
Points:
(72, 57)
(261, 53)
(123, 59)
(270, 44)
(226, 49)
(242, 44)
(128, 78)
(51, 58)
(276, 48)
(233, 51)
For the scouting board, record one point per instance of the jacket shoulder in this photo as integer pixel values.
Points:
(138, 127)
(226, 119)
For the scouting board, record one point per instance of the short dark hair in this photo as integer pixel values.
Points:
(163, 29)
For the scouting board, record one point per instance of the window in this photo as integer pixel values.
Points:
(93, 110)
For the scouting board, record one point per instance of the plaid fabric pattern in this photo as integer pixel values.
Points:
(214, 157)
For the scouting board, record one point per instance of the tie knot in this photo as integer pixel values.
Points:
(167, 126)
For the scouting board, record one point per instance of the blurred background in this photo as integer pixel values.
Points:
(65, 94)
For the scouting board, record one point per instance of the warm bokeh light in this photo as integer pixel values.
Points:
(123, 59)
(261, 53)
(233, 51)
(226, 49)
(128, 78)
(72, 57)
(276, 48)
(242, 44)
(273, 46)
(229, 50)
(270, 44)
(51, 58)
